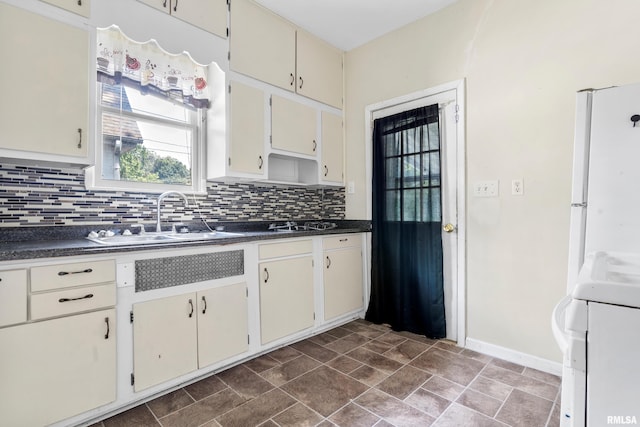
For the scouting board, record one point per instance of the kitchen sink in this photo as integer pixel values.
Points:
(204, 235)
(156, 238)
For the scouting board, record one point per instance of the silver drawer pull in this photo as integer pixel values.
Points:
(88, 296)
(64, 273)
(344, 240)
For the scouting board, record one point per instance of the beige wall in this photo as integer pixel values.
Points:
(523, 62)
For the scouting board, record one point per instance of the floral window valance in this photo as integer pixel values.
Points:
(150, 68)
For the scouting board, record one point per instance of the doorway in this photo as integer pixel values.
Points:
(448, 103)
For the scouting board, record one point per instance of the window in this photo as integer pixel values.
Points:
(146, 139)
(152, 111)
(411, 142)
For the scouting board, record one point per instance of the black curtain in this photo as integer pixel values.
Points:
(407, 280)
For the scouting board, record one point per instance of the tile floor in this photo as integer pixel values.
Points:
(360, 374)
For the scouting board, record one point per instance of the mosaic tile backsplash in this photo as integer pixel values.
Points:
(32, 196)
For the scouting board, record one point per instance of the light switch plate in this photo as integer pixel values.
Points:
(486, 188)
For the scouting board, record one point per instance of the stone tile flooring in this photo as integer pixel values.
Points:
(360, 374)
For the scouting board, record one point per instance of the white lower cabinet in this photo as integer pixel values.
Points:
(173, 336)
(13, 296)
(342, 276)
(164, 339)
(222, 323)
(55, 369)
(286, 289)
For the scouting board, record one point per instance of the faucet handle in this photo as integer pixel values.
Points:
(179, 227)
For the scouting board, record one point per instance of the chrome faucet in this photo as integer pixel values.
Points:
(161, 197)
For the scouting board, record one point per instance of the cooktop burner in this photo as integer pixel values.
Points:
(307, 226)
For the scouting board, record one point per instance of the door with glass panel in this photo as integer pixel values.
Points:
(414, 217)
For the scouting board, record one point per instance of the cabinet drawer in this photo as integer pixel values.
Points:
(13, 297)
(275, 250)
(343, 241)
(69, 301)
(58, 276)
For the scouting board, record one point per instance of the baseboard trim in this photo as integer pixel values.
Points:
(514, 356)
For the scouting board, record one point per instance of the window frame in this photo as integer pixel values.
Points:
(196, 123)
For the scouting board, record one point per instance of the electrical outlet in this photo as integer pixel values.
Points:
(517, 187)
(351, 187)
(486, 188)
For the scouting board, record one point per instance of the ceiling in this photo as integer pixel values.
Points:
(350, 23)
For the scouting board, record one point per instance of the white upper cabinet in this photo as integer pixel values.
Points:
(210, 15)
(246, 148)
(332, 149)
(293, 126)
(318, 70)
(263, 46)
(81, 7)
(242, 155)
(44, 108)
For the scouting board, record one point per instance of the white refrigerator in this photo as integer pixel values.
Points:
(605, 199)
(598, 324)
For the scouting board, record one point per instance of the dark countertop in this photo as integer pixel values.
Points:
(45, 242)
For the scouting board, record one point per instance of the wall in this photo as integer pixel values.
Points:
(523, 62)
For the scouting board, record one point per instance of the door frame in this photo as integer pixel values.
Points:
(412, 100)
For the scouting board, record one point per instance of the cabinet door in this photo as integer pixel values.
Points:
(262, 45)
(81, 7)
(164, 339)
(613, 375)
(342, 282)
(47, 85)
(210, 15)
(56, 369)
(13, 297)
(163, 5)
(293, 126)
(332, 148)
(246, 152)
(222, 323)
(286, 297)
(319, 70)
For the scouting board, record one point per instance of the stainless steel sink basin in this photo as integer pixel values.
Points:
(204, 235)
(156, 238)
